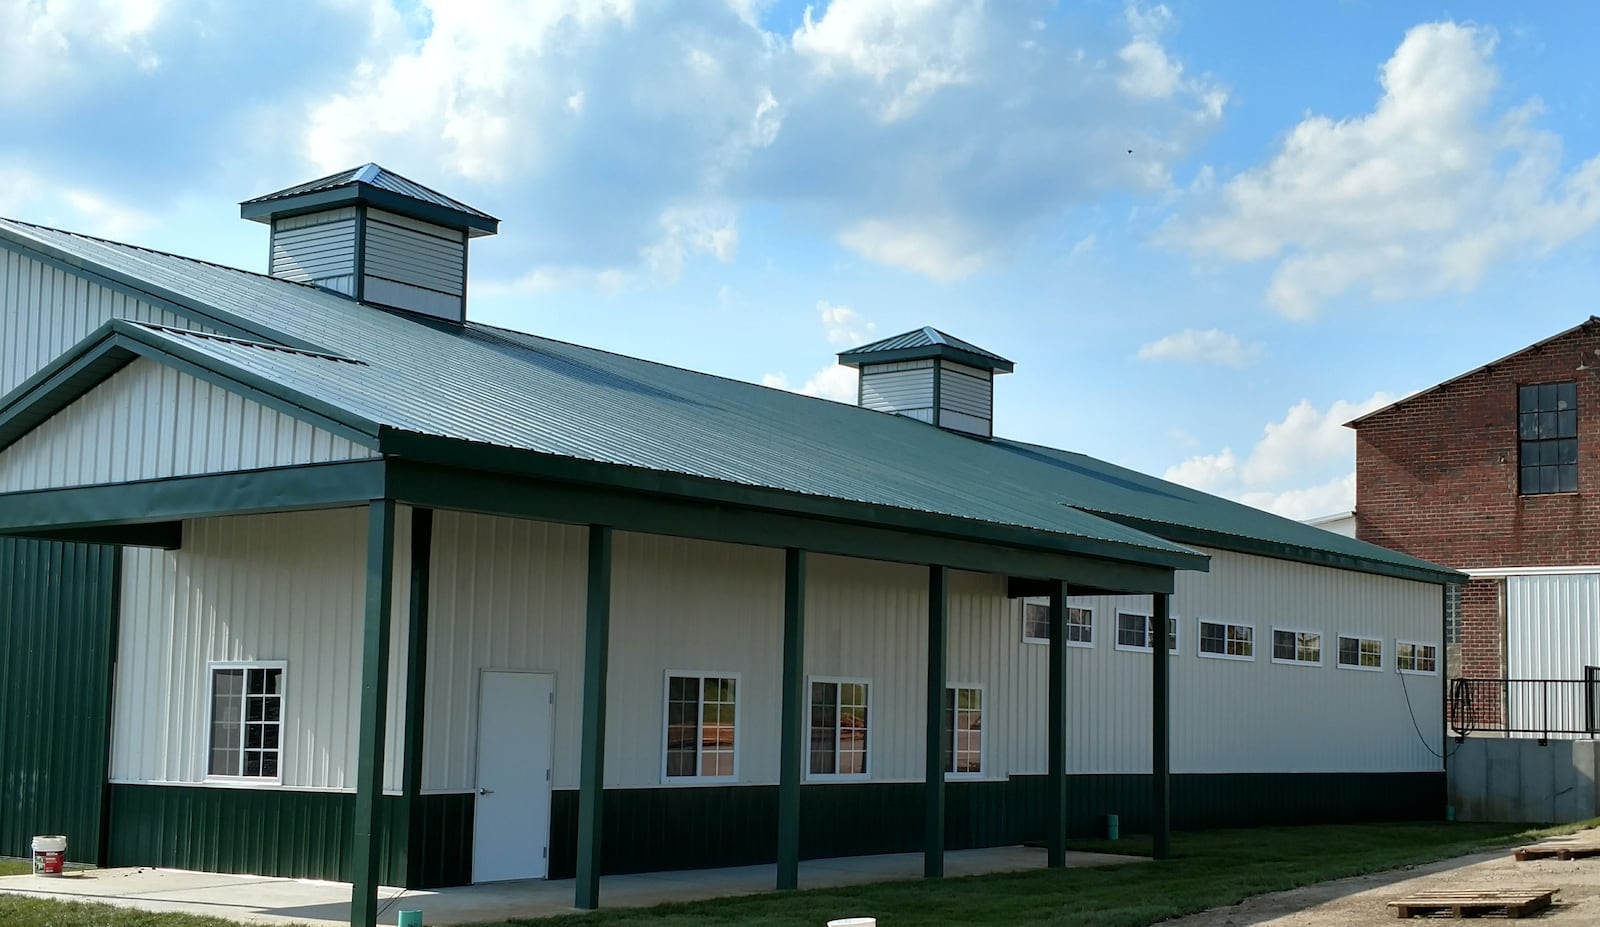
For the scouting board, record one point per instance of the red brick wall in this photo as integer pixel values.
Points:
(1437, 477)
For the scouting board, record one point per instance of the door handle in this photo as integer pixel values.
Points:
(486, 791)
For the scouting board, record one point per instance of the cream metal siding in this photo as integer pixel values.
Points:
(149, 421)
(45, 310)
(966, 399)
(317, 248)
(414, 265)
(284, 587)
(505, 594)
(904, 388)
(1259, 716)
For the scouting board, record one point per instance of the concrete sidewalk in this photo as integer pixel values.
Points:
(258, 900)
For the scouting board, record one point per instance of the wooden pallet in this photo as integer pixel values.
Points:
(1514, 904)
(1557, 851)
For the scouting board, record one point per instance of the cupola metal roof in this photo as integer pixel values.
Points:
(921, 344)
(372, 185)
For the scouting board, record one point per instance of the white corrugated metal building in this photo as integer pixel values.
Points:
(449, 603)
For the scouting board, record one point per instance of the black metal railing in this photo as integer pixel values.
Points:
(1542, 708)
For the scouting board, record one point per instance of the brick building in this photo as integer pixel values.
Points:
(1497, 473)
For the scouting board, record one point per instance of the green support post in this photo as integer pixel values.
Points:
(1056, 822)
(591, 775)
(1161, 732)
(367, 834)
(933, 784)
(791, 751)
(416, 691)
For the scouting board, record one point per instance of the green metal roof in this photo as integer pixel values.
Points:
(923, 343)
(411, 382)
(375, 185)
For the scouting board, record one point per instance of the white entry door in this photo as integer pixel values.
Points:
(516, 726)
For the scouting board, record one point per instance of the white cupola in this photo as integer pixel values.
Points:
(932, 377)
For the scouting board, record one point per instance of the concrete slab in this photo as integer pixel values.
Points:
(259, 900)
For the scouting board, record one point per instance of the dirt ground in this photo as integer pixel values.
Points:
(1363, 901)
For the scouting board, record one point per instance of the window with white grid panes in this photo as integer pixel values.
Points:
(963, 730)
(1227, 640)
(839, 717)
(1036, 624)
(1299, 647)
(1363, 653)
(701, 726)
(1416, 657)
(1133, 632)
(246, 721)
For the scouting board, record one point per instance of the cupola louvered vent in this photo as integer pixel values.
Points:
(932, 377)
(374, 236)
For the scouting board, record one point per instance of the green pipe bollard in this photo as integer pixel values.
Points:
(1449, 812)
(409, 919)
(1113, 827)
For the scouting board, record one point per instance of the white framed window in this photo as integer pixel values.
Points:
(1036, 624)
(963, 730)
(1297, 647)
(1226, 640)
(1416, 657)
(840, 709)
(702, 727)
(1360, 653)
(246, 723)
(1133, 632)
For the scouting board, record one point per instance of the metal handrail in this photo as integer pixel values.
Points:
(1528, 707)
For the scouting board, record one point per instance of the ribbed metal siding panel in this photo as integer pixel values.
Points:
(1257, 716)
(288, 587)
(692, 606)
(150, 421)
(906, 391)
(504, 594)
(415, 253)
(317, 248)
(57, 608)
(1551, 626)
(1551, 633)
(45, 310)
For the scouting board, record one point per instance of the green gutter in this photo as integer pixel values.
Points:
(471, 456)
(1188, 534)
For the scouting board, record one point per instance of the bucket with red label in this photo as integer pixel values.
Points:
(49, 855)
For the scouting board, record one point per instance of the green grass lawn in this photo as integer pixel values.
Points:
(1210, 868)
(14, 867)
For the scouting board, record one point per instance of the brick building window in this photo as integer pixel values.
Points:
(1547, 426)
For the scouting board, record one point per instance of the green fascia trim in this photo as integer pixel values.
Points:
(142, 290)
(281, 489)
(441, 487)
(925, 352)
(1186, 534)
(471, 456)
(162, 535)
(117, 343)
(361, 193)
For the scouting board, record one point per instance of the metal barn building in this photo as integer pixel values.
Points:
(307, 574)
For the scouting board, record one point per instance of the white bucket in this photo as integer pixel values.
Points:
(49, 855)
(854, 922)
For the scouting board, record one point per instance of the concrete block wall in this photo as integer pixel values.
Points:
(1517, 779)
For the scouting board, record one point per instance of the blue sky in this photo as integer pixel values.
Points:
(1207, 233)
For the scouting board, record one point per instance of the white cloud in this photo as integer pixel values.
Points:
(1420, 196)
(907, 49)
(942, 253)
(1211, 346)
(1147, 70)
(837, 383)
(50, 42)
(1302, 467)
(845, 326)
